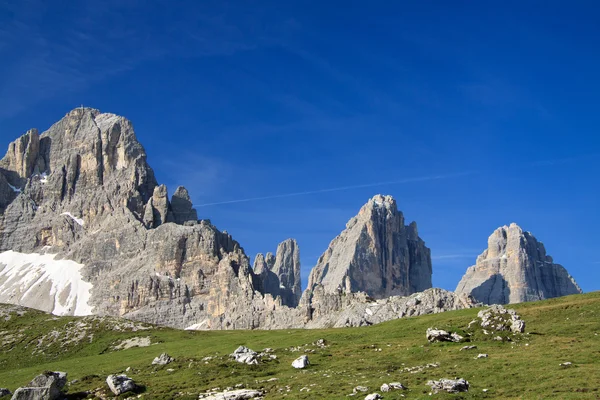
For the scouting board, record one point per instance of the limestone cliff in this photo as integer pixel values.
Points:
(515, 268)
(376, 254)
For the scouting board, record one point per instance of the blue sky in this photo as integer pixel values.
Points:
(237, 100)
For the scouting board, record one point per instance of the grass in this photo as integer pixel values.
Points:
(559, 330)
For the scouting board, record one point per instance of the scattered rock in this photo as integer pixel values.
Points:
(373, 396)
(449, 385)
(163, 359)
(397, 386)
(440, 335)
(300, 362)
(119, 384)
(496, 318)
(5, 392)
(482, 356)
(566, 364)
(133, 342)
(360, 389)
(245, 355)
(468, 347)
(47, 386)
(385, 387)
(239, 394)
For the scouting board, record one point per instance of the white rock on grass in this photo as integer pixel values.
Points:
(440, 335)
(245, 355)
(449, 385)
(240, 394)
(163, 359)
(119, 384)
(301, 362)
(373, 396)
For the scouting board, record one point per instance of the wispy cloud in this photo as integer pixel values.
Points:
(338, 189)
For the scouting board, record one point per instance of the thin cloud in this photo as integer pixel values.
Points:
(337, 189)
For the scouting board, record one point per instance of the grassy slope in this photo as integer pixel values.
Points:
(564, 329)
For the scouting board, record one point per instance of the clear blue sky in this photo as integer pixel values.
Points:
(247, 99)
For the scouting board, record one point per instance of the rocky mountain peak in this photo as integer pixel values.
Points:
(280, 274)
(515, 268)
(376, 253)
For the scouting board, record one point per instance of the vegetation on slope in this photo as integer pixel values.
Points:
(559, 330)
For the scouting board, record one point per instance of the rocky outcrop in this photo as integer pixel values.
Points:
(181, 207)
(376, 254)
(280, 275)
(515, 268)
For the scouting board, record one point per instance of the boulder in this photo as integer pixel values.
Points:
(245, 355)
(47, 386)
(163, 359)
(238, 394)
(119, 384)
(440, 335)
(5, 392)
(449, 385)
(301, 362)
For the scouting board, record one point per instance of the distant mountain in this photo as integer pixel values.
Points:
(515, 268)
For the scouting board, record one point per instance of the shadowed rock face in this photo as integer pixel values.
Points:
(376, 254)
(515, 268)
(280, 274)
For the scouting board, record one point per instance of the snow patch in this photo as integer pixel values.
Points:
(79, 221)
(39, 281)
(198, 327)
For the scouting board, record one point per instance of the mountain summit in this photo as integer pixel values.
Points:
(376, 254)
(515, 268)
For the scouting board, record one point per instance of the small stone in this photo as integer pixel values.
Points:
(566, 364)
(468, 348)
(163, 359)
(360, 389)
(482, 355)
(373, 396)
(385, 387)
(449, 385)
(300, 362)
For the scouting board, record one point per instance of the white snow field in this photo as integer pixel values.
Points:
(39, 281)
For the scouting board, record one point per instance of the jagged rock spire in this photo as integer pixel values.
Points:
(515, 268)
(280, 274)
(376, 253)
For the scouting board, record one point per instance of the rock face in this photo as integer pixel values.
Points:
(280, 274)
(515, 268)
(47, 386)
(85, 228)
(376, 254)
